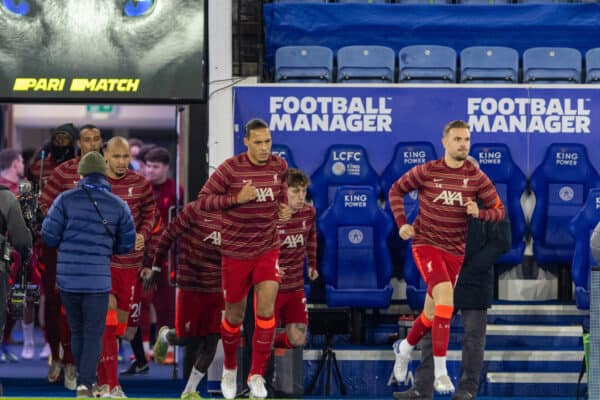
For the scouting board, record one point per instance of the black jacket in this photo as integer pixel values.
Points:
(12, 222)
(486, 241)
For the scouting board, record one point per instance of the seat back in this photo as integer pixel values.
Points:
(355, 255)
(582, 226)
(406, 156)
(496, 161)
(427, 64)
(592, 66)
(489, 64)
(303, 64)
(551, 65)
(560, 185)
(364, 1)
(366, 64)
(343, 165)
(284, 152)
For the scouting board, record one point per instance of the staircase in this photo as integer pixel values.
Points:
(531, 350)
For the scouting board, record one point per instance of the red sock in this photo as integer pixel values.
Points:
(420, 327)
(282, 341)
(109, 356)
(440, 333)
(262, 341)
(230, 336)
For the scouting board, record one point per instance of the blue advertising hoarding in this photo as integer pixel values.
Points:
(309, 119)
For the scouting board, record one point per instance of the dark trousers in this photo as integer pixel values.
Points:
(4, 289)
(473, 347)
(86, 313)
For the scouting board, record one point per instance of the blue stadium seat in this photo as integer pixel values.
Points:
(303, 64)
(592, 66)
(406, 156)
(552, 65)
(343, 165)
(560, 185)
(356, 264)
(366, 64)
(496, 161)
(364, 1)
(489, 64)
(423, 1)
(485, 2)
(582, 226)
(284, 152)
(427, 64)
(300, 1)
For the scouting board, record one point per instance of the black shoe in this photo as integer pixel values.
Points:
(413, 394)
(136, 369)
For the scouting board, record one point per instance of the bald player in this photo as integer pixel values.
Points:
(124, 301)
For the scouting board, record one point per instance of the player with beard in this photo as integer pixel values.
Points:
(62, 178)
(448, 192)
(251, 191)
(59, 149)
(124, 299)
(199, 298)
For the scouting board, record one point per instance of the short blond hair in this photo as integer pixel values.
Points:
(460, 124)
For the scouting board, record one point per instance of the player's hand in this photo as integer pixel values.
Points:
(248, 193)
(145, 273)
(407, 232)
(139, 242)
(472, 208)
(313, 274)
(153, 280)
(284, 212)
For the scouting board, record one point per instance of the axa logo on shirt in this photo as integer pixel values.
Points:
(264, 195)
(528, 115)
(293, 241)
(448, 198)
(214, 237)
(330, 114)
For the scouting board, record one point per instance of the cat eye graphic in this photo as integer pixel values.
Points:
(138, 8)
(17, 7)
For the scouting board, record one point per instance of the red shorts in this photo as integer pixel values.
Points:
(238, 276)
(198, 314)
(290, 308)
(126, 288)
(436, 266)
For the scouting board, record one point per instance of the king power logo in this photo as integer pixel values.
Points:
(448, 198)
(293, 241)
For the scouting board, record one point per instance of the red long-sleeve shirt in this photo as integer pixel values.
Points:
(443, 192)
(298, 238)
(249, 229)
(197, 233)
(136, 191)
(63, 177)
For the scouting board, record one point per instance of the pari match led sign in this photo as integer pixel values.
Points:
(103, 50)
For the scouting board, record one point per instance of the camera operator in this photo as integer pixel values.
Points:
(13, 231)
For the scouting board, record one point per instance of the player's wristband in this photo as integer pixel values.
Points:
(156, 268)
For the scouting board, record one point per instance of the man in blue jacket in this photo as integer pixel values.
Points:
(88, 224)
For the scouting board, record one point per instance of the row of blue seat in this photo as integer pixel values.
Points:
(435, 64)
(560, 184)
(432, 1)
(357, 263)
